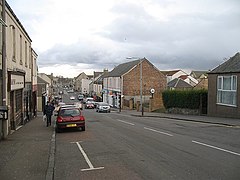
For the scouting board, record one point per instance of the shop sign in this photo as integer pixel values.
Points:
(17, 82)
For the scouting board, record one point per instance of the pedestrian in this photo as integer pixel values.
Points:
(48, 111)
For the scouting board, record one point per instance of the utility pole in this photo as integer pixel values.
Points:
(141, 90)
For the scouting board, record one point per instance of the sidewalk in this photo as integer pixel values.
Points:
(193, 118)
(24, 155)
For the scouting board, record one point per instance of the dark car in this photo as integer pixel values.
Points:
(89, 105)
(103, 107)
(70, 117)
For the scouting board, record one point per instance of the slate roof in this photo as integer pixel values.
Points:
(197, 74)
(178, 83)
(100, 78)
(121, 69)
(170, 73)
(230, 66)
(41, 81)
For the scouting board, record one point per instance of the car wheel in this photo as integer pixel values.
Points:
(83, 128)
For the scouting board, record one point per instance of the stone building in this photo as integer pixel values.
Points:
(20, 72)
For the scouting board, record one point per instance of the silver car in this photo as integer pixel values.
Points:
(103, 107)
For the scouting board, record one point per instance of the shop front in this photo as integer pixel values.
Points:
(16, 87)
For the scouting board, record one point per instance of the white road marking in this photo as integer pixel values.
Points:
(125, 122)
(158, 131)
(214, 147)
(87, 159)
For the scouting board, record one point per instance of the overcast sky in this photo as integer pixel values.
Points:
(74, 36)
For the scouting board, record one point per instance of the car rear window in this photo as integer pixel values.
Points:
(69, 112)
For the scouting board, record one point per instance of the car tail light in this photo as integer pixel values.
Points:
(59, 119)
(82, 118)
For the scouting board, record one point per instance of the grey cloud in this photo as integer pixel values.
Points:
(197, 41)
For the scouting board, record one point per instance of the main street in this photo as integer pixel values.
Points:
(120, 146)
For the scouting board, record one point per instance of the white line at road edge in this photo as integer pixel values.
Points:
(87, 159)
(214, 147)
(125, 122)
(158, 131)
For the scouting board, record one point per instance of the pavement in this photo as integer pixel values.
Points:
(28, 153)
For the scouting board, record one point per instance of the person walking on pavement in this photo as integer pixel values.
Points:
(48, 111)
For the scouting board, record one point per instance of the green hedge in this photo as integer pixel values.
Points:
(189, 99)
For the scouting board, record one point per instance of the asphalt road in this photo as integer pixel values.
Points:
(120, 146)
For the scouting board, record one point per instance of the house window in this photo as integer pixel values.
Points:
(21, 57)
(13, 33)
(227, 90)
(26, 57)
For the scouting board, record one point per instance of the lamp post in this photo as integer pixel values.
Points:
(141, 90)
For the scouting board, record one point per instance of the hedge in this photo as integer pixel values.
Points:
(189, 99)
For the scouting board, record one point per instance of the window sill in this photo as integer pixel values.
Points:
(230, 105)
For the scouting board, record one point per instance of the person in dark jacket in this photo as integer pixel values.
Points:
(48, 111)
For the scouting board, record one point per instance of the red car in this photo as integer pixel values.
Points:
(70, 117)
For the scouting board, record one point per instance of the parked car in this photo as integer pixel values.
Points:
(103, 107)
(89, 105)
(70, 117)
(72, 97)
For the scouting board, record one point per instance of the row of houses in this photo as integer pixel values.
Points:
(125, 80)
(134, 80)
(18, 72)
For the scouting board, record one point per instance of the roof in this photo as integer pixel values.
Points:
(183, 77)
(121, 69)
(230, 66)
(41, 81)
(96, 74)
(99, 80)
(178, 83)
(197, 74)
(170, 73)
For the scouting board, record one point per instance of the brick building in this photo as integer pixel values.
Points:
(125, 80)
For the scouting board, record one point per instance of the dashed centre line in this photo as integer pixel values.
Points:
(125, 122)
(214, 147)
(150, 129)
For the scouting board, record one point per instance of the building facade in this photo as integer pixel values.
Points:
(224, 89)
(130, 80)
(19, 71)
